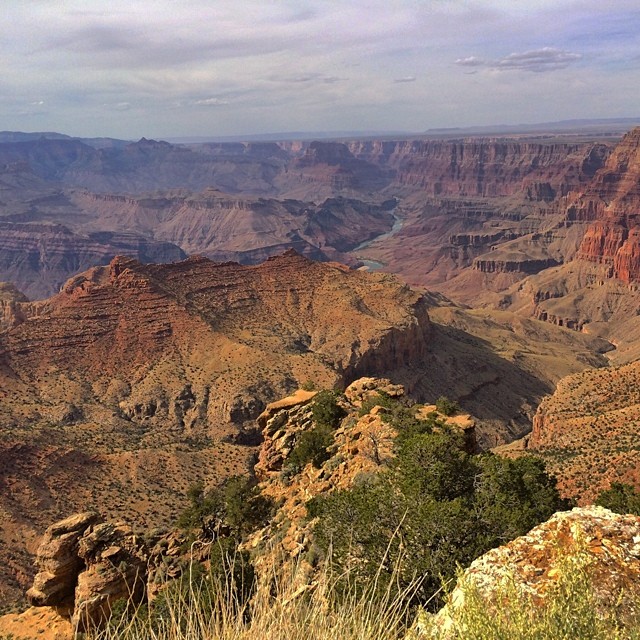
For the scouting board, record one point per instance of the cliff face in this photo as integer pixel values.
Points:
(612, 202)
(39, 258)
(247, 229)
(486, 167)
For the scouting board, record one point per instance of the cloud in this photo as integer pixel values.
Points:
(406, 79)
(545, 59)
(211, 102)
(471, 61)
(536, 60)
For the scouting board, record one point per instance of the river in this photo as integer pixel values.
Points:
(374, 265)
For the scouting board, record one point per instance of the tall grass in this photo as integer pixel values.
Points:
(281, 608)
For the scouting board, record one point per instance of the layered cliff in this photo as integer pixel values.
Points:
(486, 167)
(247, 229)
(612, 202)
(39, 258)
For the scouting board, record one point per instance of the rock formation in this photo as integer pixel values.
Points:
(142, 379)
(611, 201)
(85, 566)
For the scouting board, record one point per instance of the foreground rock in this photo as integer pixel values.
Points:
(85, 566)
(606, 546)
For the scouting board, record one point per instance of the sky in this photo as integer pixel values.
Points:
(166, 68)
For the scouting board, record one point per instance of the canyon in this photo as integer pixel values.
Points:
(157, 297)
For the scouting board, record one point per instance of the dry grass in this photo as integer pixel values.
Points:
(281, 608)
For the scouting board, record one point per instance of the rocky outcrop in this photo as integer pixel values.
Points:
(605, 545)
(85, 566)
(59, 562)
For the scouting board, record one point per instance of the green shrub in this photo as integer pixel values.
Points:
(311, 446)
(447, 407)
(237, 508)
(435, 509)
(380, 399)
(620, 498)
(325, 409)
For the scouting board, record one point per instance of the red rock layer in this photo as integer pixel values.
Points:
(612, 202)
(115, 319)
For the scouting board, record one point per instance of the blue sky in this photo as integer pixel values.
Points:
(167, 68)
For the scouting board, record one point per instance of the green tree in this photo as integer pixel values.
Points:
(325, 409)
(435, 508)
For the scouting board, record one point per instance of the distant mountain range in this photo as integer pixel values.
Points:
(578, 125)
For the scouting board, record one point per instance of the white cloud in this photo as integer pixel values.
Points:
(308, 64)
(471, 61)
(211, 102)
(538, 60)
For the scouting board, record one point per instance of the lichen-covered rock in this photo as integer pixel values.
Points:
(532, 564)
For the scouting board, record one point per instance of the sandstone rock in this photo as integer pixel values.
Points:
(362, 444)
(299, 398)
(86, 565)
(44, 623)
(58, 561)
(364, 388)
(11, 302)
